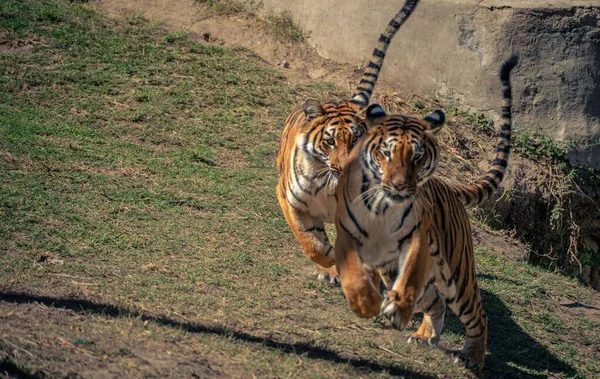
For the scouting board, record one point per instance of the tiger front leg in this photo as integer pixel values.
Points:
(362, 296)
(310, 232)
(399, 303)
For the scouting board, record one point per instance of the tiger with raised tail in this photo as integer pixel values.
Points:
(394, 215)
(315, 143)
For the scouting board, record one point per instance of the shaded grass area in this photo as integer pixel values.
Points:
(139, 231)
(12, 370)
(533, 329)
(306, 350)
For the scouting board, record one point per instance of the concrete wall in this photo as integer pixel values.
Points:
(453, 49)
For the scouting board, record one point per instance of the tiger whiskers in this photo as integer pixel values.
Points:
(373, 197)
(330, 184)
(321, 172)
(367, 195)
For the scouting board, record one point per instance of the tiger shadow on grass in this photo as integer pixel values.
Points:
(511, 352)
(304, 349)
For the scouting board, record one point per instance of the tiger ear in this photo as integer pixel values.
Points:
(313, 109)
(374, 112)
(435, 121)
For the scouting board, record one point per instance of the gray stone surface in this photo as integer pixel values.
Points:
(453, 49)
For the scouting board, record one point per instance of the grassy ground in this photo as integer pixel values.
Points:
(140, 235)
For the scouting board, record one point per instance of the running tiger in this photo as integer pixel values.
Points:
(315, 143)
(394, 215)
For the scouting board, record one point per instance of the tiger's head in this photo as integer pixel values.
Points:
(400, 152)
(332, 129)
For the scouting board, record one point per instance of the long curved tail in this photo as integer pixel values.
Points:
(362, 94)
(474, 194)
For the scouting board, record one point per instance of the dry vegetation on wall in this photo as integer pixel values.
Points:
(551, 206)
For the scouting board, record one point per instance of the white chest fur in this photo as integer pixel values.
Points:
(312, 188)
(385, 237)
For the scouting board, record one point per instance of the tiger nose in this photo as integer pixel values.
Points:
(398, 184)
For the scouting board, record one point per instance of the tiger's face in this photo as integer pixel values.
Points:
(401, 152)
(332, 130)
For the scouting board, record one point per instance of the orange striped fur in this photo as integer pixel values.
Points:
(395, 216)
(315, 143)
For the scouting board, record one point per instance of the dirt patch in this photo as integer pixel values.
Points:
(89, 342)
(12, 162)
(500, 243)
(20, 46)
(574, 308)
(6, 48)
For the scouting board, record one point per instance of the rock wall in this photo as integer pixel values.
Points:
(452, 49)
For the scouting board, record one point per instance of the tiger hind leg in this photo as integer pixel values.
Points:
(433, 307)
(470, 312)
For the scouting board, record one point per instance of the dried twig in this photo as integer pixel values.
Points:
(400, 355)
(69, 276)
(573, 242)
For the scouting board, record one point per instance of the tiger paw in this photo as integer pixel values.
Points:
(363, 298)
(423, 340)
(327, 274)
(398, 310)
(461, 360)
